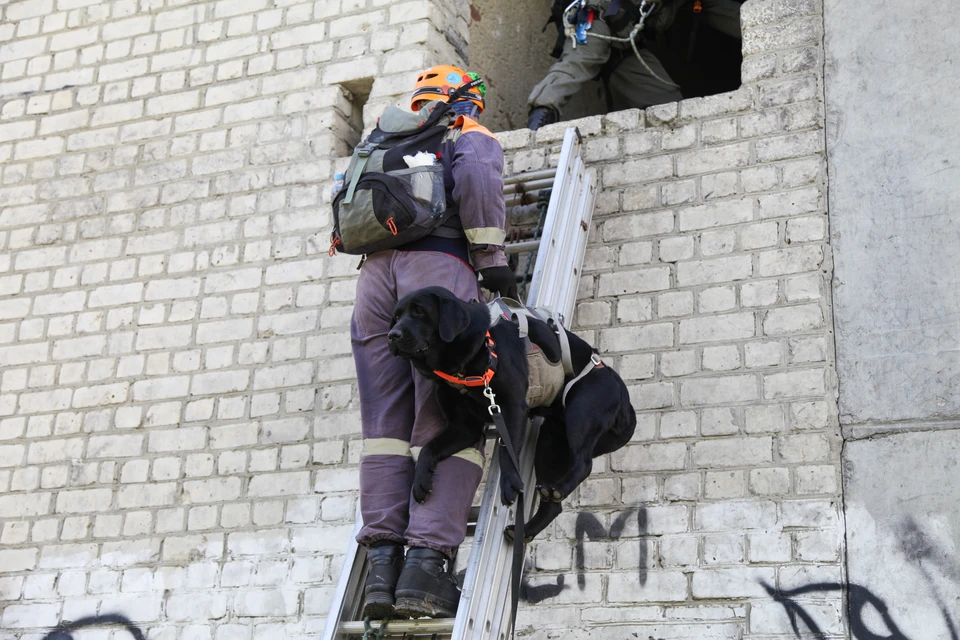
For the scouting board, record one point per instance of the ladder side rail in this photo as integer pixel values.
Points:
(348, 585)
(552, 265)
(488, 614)
(489, 605)
(569, 151)
(569, 252)
(579, 231)
(481, 564)
(558, 270)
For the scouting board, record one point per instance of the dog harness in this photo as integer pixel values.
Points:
(547, 379)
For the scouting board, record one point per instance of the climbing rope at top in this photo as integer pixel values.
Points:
(646, 8)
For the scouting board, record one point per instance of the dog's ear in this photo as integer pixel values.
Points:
(453, 319)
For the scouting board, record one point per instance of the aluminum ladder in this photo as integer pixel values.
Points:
(484, 610)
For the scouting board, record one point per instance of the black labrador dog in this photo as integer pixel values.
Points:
(438, 332)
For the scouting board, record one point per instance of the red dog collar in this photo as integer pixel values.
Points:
(475, 381)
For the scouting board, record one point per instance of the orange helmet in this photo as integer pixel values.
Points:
(438, 81)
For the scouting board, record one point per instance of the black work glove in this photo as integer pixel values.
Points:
(500, 280)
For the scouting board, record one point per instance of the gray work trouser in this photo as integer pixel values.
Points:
(399, 411)
(632, 84)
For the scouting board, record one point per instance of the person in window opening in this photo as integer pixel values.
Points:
(637, 82)
(398, 409)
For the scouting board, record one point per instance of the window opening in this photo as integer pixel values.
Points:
(508, 48)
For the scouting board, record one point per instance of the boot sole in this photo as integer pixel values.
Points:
(423, 605)
(378, 607)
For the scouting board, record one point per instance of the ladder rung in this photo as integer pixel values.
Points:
(426, 627)
(521, 247)
(527, 197)
(529, 176)
(533, 185)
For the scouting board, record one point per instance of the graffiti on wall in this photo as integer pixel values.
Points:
(868, 614)
(588, 526)
(65, 631)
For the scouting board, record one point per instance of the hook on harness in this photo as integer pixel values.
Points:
(489, 395)
(571, 30)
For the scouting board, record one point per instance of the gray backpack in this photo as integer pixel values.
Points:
(386, 203)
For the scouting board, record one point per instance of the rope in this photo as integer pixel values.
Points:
(369, 633)
(571, 33)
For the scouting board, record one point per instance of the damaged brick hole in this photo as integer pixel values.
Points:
(350, 132)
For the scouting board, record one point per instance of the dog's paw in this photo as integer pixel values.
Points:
(549, 494)
(509, 490)
(422, 485)
(510, 534)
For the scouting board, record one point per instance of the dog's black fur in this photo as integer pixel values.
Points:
(435, 330)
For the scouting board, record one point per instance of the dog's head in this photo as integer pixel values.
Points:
(424, 320)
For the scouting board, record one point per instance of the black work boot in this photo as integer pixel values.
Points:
(426, 588)
(540, 116)
(386, 561)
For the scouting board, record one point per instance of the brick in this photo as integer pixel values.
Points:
(84, 501)
(146, 495)
(634, 171)
(792, 319)
(714, 270)
(115, 446)
(182, 439)
(649, 457)
(263, 602)
(794, 384)
(713, 159)
(732, 452)
(717, 328)
(716, 214)
(730, 388)
(625, 282)
(637, 337)
(280, 484)
(214, 490)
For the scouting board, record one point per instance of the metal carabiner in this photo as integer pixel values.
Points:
(488, 393)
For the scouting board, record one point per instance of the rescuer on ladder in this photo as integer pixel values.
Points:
(398, 409)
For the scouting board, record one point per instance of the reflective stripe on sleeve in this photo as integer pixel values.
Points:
(485, 235)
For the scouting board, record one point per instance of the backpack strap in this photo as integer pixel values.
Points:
(362, 154)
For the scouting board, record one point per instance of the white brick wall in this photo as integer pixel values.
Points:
(179, 427)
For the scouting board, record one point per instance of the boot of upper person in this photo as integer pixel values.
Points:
(386, 562)
(540, 116)
(426, 587)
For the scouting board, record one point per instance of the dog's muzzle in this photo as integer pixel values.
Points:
(403, 344)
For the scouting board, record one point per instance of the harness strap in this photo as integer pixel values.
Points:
(564, 346)
(595, 362)
(516, 571)
(521, 320)
(363, 155)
